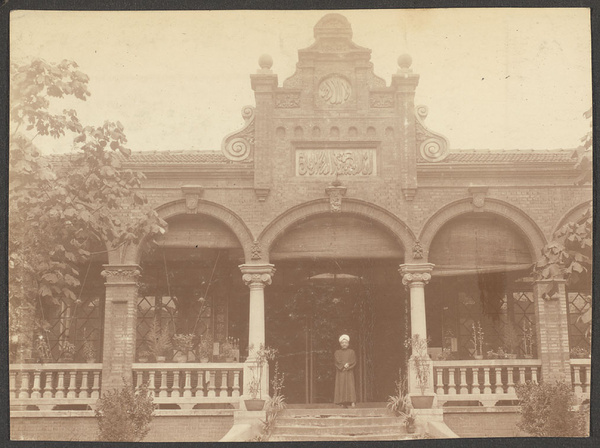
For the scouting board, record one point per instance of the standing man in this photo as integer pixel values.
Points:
(345, 360)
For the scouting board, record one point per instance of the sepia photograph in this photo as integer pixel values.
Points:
(299, 225)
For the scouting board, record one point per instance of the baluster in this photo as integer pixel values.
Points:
(588, 373)
(152, 383)
(464, 390)
(235, 390)
(71, 392)
(96, 385)
(499, 388)
(60, 386)
(139, 378)
(83, 390)
(163, 384)
(475, 389)
(211, 384)
(440, 381)
(48, 379)
(35, 391)
(175, 392)
(577, 380)
(187, 388)
(522, 375)
(511, 382)
(24, 389)
(13, 384)
(487, 386)
(200, 384)
(451, 381)
(534, 378)
(224, 387)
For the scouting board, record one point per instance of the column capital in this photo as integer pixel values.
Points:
(257, 275)
(416, 273)
(121, 273)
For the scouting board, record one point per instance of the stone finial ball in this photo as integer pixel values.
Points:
(265, 61)
(404, 61)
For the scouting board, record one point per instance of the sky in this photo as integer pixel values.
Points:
(177, 80)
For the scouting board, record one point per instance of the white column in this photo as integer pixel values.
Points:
(416, 276)
(256, 277)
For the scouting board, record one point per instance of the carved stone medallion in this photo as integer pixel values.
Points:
(335, 90)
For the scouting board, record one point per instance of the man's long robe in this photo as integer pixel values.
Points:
(345, 391)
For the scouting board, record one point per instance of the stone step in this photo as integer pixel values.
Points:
(338, 412)
(334, 437)
(337, 430)
(336, 420)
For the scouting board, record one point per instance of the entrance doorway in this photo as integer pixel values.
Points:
(312, 302)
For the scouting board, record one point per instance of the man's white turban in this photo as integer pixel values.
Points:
(344, 337)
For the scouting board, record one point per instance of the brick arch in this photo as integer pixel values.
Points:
(219, 212)
(533, 234)
(294, 215)
(570, 215)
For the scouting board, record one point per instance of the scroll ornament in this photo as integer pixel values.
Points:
(433, 147)
(238, 145)
(257, 279)
(417, 277)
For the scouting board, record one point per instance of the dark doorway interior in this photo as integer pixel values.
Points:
(312, 302)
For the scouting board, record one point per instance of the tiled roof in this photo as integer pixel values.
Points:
(178, 157)
(510, 156)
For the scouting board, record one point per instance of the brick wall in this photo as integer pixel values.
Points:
(489, 422)
(172, 428)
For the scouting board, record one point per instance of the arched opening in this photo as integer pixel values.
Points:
(336, 274)
(191, 293)
(480, 299)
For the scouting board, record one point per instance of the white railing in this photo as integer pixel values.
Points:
(189, 384)
(487, 381)
(581, 375)
(47, 385)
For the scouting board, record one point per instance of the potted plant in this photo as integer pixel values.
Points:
(410, 420)
(43, 350)
(512, 339)
(89, 352)
(259, 358)
(67, 351)
(183, 344)
(204, 349)
(421, 362)
(477, 336)
(528, 339)
(143, 356)
(579, 353)
(227, 349)
(159, 341)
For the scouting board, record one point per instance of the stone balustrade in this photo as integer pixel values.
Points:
(188, 384)
(487, 380)
(581, 374)
(51, 385)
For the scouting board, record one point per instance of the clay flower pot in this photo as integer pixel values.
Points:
(422, 401)
(255, 404)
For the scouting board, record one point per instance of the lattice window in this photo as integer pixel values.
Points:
(523, 315)
(578, 304)
(78, 321)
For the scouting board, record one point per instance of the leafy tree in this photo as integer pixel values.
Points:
(61, 207)
(124, 414)
(569, 254)
(547, 410)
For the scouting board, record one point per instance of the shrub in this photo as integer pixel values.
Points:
(547, 410)
(124, 415)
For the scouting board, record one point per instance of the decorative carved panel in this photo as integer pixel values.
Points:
(329, 162)
(381, 99)
(335, 90)
(287, 100)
